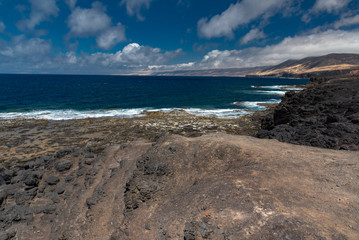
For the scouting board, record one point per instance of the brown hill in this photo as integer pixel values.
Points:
(333, 64)
(216, 186)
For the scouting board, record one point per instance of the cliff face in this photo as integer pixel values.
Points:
(326, 114)
(215, 186)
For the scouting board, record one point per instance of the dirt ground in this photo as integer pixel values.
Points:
(216, 186)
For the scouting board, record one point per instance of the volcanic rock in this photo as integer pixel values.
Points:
(323, 115)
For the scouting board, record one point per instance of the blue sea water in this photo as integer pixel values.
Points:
(61, 97)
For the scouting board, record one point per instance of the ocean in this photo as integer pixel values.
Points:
(63, 97)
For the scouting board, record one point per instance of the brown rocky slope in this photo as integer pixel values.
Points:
(335, 64)
(215, 186)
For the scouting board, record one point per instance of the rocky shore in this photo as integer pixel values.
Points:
(325, 114)
(22, 140)
(178, 176)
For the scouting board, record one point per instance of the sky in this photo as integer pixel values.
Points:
(148, 36)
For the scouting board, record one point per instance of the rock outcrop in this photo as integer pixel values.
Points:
(326, 114)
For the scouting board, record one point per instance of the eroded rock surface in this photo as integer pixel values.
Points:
(215, 186)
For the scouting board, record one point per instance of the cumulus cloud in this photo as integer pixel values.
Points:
(241, 13)
(331, 41)
(71, 3)
(30, 55)
(2, 26)
(89, 22)
(21, 54)
(253, 34)
(111, 37)
(95, 22)
(347, 21)
(134, 7)
(40, 11)
(133, 56)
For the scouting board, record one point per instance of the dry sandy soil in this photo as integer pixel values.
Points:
(216, 186)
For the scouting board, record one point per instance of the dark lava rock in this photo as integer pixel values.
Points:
(71, 176)
(4, 236)
(22, 197)
(88, 161)
(2, 181)
(89, 155)
(60, 188)
(52, 180)
(204, 228)
(323, 115)
(63, 165)
(7, 235)
(190, 231)
(32, 179)
(3, 196)
(49, 208)
(63, 152)
(7, 175)
(98, 193)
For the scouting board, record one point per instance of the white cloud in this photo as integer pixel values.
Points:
(35, 55)
(222, 59)
(134, 6)
(71, 3)
(330, 5)
(89, 22)
(111, 37)
(290, 48)
(253, 34)
(132, 59)
(134, 56)
(22, 50)
(41, 10)
(347, 21)
(241, 13)
(95, 22)
(2, 26)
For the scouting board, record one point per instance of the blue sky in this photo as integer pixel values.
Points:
(146, 36)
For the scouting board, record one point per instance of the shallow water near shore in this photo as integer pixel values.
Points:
(64, 97)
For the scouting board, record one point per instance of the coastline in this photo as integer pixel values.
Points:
(171, 175)
(27, 139)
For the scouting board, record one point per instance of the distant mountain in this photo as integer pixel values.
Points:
(213, 72)
(328, 65)
(334, 64)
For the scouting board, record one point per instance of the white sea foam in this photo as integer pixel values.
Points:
(219, 113)
(272, 87)
(280, 87)
(117, 113)
(252, 105)
(73, 114)
(281, 93)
